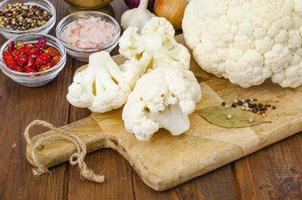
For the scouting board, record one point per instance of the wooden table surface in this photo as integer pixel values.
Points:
(272, 173)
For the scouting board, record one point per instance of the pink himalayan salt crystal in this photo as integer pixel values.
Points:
(93, 32)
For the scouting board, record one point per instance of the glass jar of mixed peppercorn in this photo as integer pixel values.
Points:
(30, 16)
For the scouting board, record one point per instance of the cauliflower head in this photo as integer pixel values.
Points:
(162, 98)
(247, 41)
(103, 85)
(156, 40)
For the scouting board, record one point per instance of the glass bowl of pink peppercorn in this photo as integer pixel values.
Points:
(86, 32)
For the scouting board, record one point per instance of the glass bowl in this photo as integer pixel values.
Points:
(89, 4)
(45, 4)
(82, 54)
(34, 79)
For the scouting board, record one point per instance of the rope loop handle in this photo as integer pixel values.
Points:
(76, 158)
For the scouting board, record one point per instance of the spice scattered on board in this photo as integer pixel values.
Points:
(229, 117)
(251, 105)
(21, 17)
(92, 33)
(31, 57)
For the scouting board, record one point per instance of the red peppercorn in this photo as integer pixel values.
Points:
(26, 49)
(21, 60)
(43, 59)
(35, 52)
(31, 57)
(15, 53)
(29, 69)
(41, 44)
(9, 60)
(11, 46)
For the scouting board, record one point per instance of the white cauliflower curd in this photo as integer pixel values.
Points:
(156, 40)
(162, 98)
(103, 85)
(247, 41)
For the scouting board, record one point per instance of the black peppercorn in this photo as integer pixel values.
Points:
(240, 102)
(17, 16)
(251, 105)
(255, 110)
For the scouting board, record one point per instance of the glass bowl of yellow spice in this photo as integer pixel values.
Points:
(89, 4)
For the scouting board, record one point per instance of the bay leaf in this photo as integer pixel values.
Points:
(218, 116)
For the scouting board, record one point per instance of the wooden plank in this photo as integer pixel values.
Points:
(18, 107)
(272, 173)
(117, 171)
(118, 174)
(215, 185)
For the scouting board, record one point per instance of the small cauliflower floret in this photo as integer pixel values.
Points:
(79, 92)
(156, 40)
(130, 44)
(247, 41)
(111, 88)
(160, 26)
(103, 85)
(134, 69)
(162, 98)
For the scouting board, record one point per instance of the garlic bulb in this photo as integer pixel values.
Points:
(137, 17)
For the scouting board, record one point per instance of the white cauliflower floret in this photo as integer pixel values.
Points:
(130, 44)
(110, 87)
(134, 69)
(103, 85)
(247, 41)
(156, 40)
(79, 92)
(160, 26)
(162, 98)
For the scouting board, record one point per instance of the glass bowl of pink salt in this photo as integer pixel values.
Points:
(86, 32)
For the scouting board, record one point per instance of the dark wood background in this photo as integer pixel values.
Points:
(272, 173)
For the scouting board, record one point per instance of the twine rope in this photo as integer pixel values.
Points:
(76, 158)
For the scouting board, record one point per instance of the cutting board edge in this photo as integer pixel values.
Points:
(159, 184)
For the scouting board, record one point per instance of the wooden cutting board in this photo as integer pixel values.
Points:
(166, 161)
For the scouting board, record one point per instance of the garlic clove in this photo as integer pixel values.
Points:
(137, 17)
